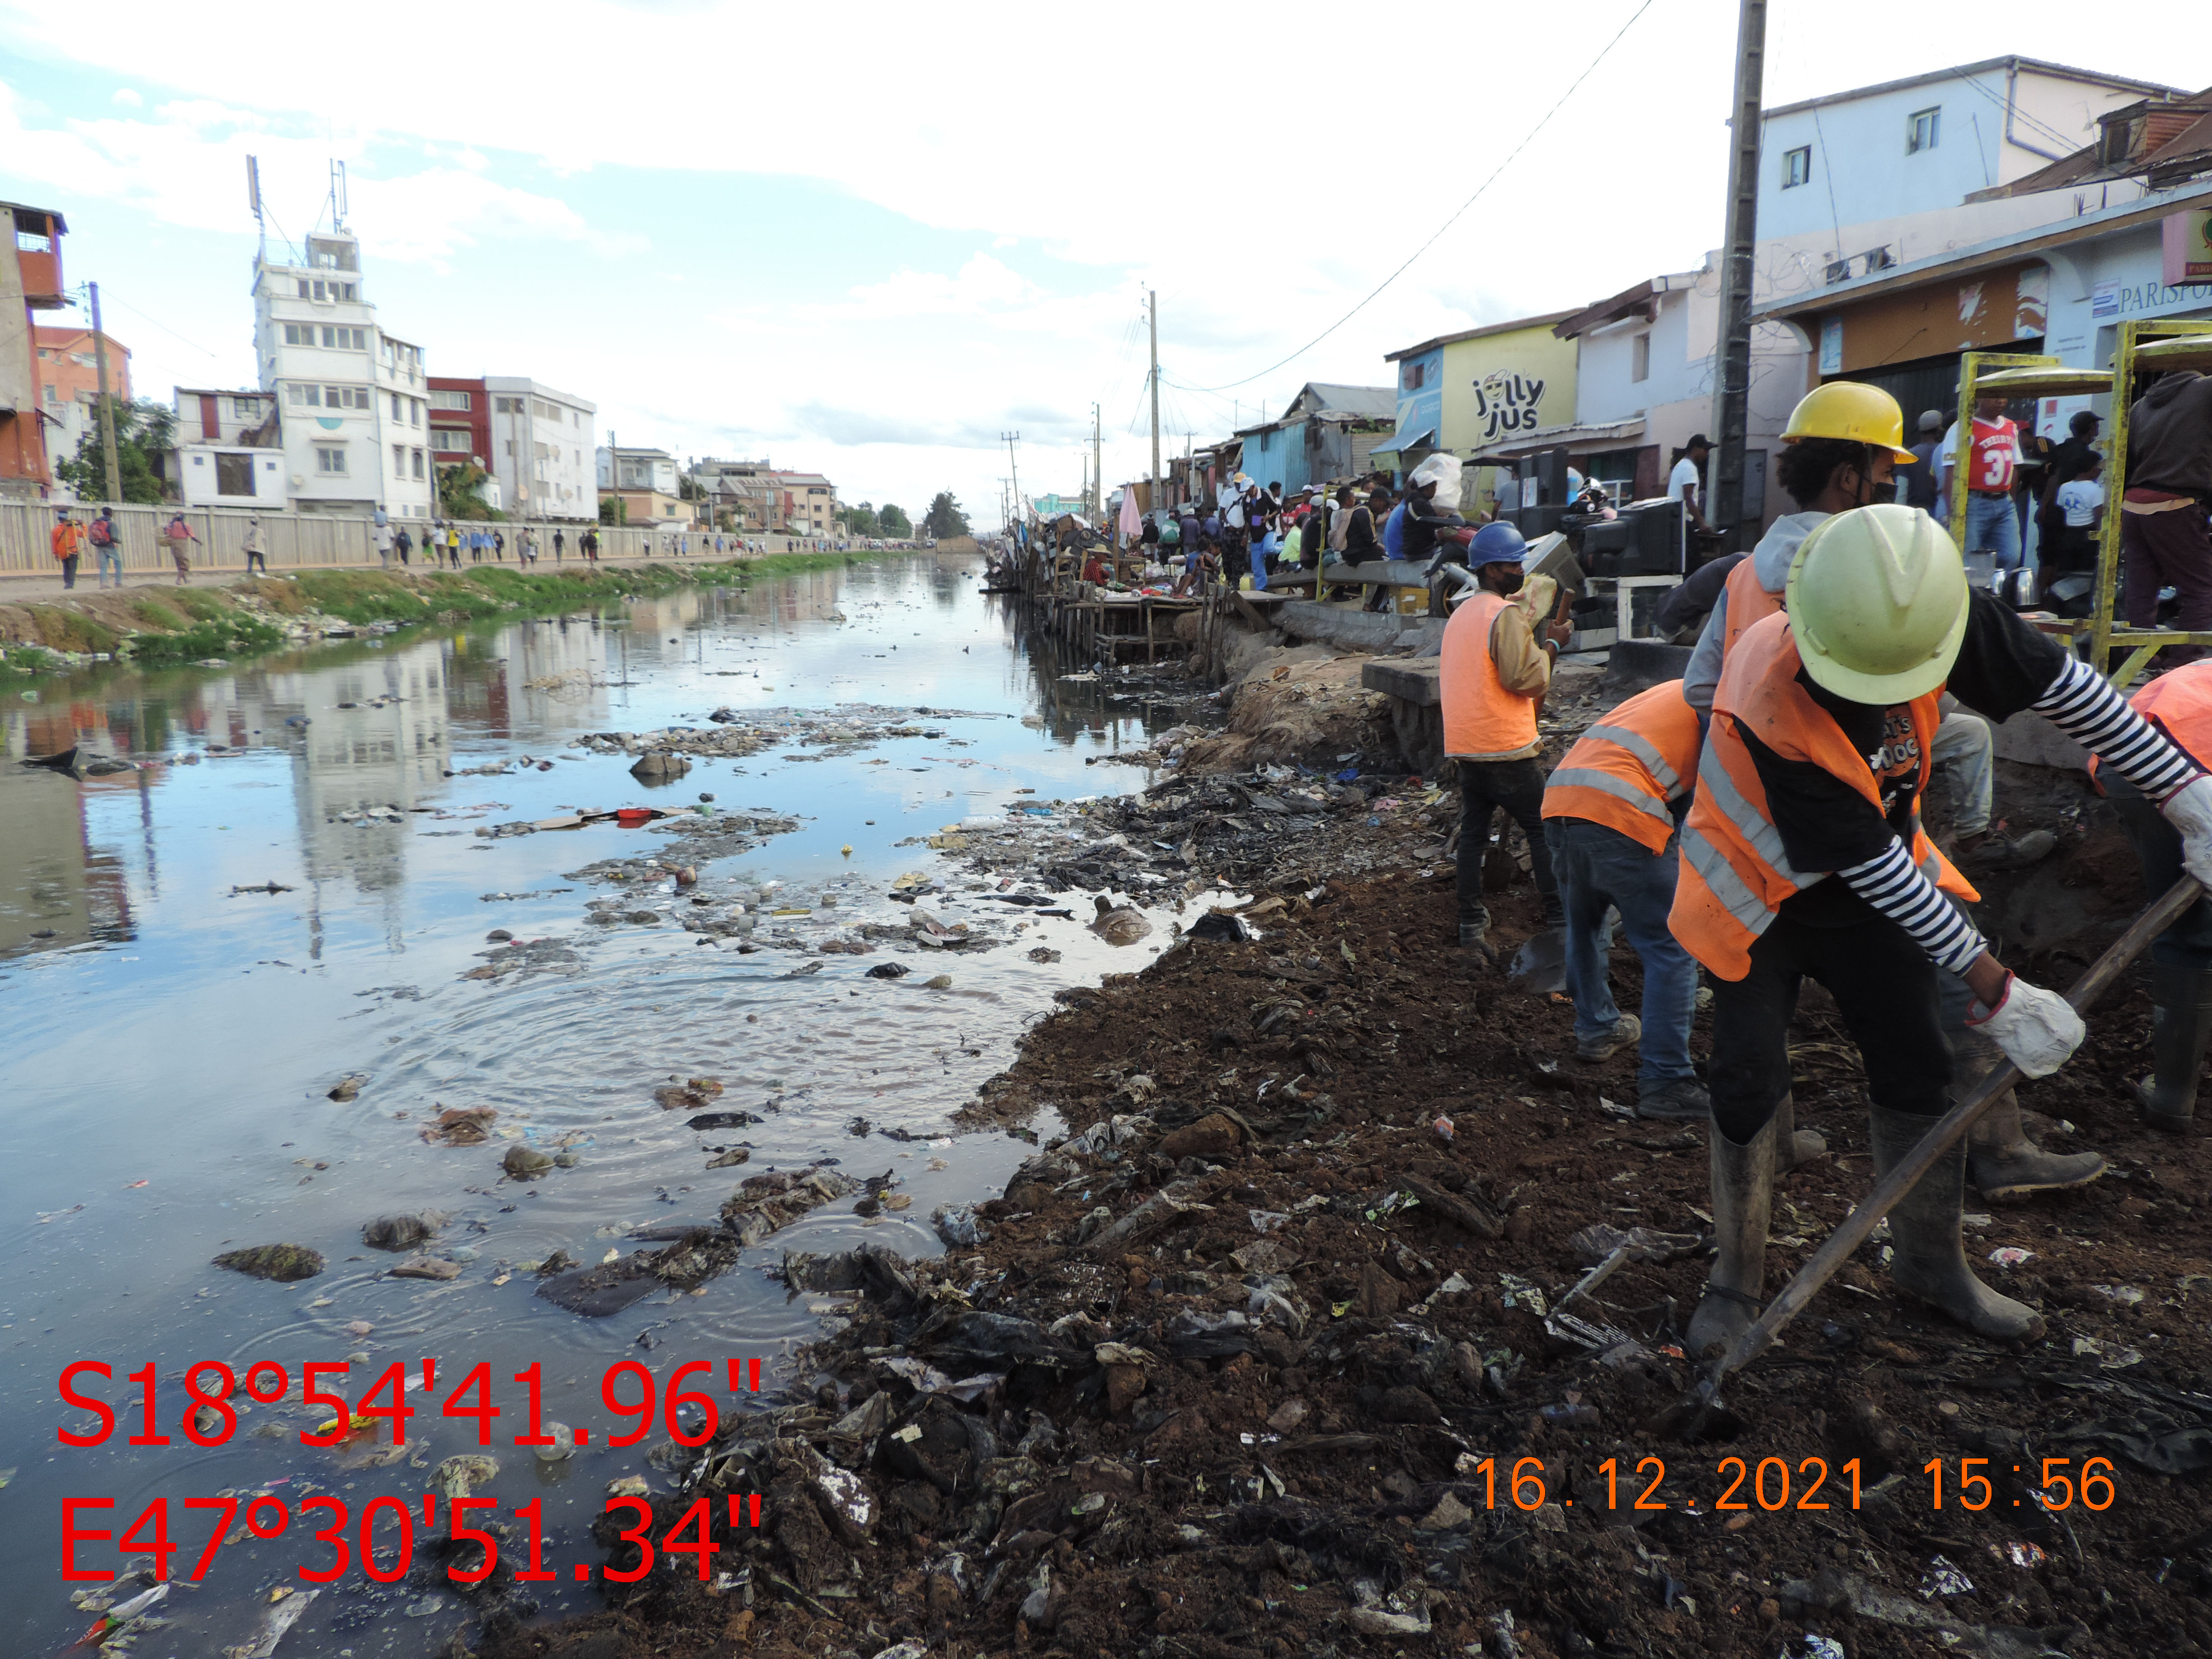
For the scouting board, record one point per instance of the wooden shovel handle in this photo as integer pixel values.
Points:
(1821, 1265)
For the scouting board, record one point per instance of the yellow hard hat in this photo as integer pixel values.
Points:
(1878, 601)
(1854, 411)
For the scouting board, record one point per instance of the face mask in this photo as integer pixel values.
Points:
(1509, 583)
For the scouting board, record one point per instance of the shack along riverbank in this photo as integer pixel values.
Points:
(1336, 1325)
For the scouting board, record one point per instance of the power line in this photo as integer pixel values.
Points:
(1454, 219)
(117, 300)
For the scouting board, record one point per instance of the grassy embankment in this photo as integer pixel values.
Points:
(157, 626)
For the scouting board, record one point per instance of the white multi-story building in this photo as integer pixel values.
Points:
(351, 399)
(542, 447)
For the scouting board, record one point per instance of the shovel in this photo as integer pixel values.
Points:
(1702, 1408)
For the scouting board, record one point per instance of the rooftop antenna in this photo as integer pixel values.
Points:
(337, 195)
(253, 201)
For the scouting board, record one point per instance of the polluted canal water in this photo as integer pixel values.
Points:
(496, 1044)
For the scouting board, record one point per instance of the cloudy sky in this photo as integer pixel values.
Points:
(871, 239)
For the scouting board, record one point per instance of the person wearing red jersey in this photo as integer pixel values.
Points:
(1992, 456)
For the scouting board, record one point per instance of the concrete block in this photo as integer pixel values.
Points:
(1416, 680)
(1633, 666)
(2029, 737)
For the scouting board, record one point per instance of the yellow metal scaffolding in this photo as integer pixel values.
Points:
(2141, 346)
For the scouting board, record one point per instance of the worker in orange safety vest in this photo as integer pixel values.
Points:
(2180, 704)
(1495, 669)
(1803, 855)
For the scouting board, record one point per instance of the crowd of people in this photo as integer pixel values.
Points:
(1758, 823)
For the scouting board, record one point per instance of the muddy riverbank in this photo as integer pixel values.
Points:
(1249, 1364)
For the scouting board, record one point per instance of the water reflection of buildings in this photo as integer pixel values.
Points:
(52, 880)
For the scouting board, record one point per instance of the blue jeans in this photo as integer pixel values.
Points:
(1259, 569)
(1596, 866)
(111, 562)
(1991, 527)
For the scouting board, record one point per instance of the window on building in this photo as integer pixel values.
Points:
(346, 397)
(450, 399)
(346, 290)
(1416, 376)
(1639, 357)
(346, 339)
(1922, 128)
(53, 394)
(301, 334)
(1796, 166)
(298, 396)
(329, 460)
(510, 448)
(246, 409)
(449, 440)
(547, 412)
(233, 475)
(413, 411)
(416, 458)
(44, 356)
(503, 405)
(82, 360)
(399, 461)
(303, 288)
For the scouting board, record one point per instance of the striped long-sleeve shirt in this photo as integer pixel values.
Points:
(2003, 666)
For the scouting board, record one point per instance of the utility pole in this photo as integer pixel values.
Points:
(1732, 354)
(107, 403)
(1152, 310)
(1012, 439)
(1098, 472)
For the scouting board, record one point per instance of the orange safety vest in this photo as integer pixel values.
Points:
(1481, 717)
(1735, 874)
(1747, 603)
(2179, 703)
(1627, 768)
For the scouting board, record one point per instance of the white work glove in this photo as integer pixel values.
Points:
(2037, 1028)
(2189, 808)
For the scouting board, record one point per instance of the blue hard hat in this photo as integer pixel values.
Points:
(1495, 543)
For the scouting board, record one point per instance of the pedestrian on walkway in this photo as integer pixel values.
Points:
(383, 528)
(2169, 489)
(498, 548)
(68, 540)
(106, 547)
(1992, 456)
(402, 544)
(1610, 812)
(1802, 856)
(588, 545)
(453, 544)
(1494, 673)
(179, 538)
(559, 545)
(251, 540)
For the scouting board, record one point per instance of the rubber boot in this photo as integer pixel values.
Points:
(1794, 1146)
(1928, 1261)
(1474, 939)
(1743, 1200)
(2001, 1162)
(2181, 1022)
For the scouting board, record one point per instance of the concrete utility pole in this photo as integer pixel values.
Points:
(1732, 353)
(1097, 475)
(1152, 310)
(107, 403)
(1012, 439)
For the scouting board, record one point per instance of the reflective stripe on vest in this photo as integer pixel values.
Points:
(1481, 717)
(1622, 771)
(1734, 875)
(1637, 744)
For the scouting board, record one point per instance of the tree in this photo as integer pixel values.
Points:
(613, 510)
(142, 429)
(894, 520)
(860, 520)
(688, 489)
(461, 492)
(945, 519)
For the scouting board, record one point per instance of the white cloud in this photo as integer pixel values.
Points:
(127, 97)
